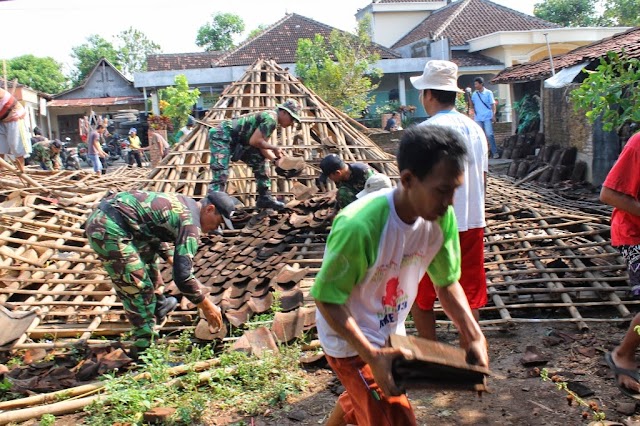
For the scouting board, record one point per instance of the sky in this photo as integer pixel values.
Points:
(52, 27)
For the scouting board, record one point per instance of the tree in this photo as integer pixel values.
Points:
(180, 101)
(623, 12)
(611, 92)
(568, 13)
(218, 34)
(340, 69)
(88, 54)
(43, 74)
(133, 51)
(257, 31)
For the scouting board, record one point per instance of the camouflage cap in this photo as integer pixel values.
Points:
(292, 107)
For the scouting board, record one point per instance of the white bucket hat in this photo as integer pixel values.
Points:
(438, 75)
(375, 183)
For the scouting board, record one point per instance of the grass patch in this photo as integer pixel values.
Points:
(240, 383)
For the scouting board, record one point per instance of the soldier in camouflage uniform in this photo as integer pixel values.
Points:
(127, 231)
(349, 178)
(47, 154)
(245, 138)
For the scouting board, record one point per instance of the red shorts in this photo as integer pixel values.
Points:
(472, 280)
(362, 401)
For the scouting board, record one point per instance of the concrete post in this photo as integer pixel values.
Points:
(402, 91)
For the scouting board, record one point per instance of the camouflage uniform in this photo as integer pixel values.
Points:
(128, 231)
(348, 189)
(231, 139)
(43, 154)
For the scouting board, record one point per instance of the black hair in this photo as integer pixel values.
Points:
(37, 131)
(100, 126)
(479, 80)
(422, 147)
(444, 97)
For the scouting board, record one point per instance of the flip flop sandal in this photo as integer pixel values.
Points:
(617, 371)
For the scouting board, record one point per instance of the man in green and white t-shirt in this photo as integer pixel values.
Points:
(378, 249)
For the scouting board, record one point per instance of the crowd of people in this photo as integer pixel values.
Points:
(391, 251)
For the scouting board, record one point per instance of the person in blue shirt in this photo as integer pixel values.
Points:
(484, 108)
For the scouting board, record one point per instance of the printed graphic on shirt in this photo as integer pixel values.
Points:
(393, 301)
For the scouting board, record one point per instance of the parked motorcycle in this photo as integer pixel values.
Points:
(69, 156)
(83, 153)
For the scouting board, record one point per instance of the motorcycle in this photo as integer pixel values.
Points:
(69, 156)
(83, 153)
(124, 149)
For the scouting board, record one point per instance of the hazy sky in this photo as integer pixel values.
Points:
(53, 27)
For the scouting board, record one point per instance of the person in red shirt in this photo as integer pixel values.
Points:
(621, 189)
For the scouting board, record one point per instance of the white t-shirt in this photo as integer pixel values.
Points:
(373, 263)
(468, 200)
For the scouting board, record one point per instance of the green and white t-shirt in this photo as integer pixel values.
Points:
(373, 263)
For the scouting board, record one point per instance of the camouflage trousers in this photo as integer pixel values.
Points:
(133, 268)
(221, 148)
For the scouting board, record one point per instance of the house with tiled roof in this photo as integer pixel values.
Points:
(278, 42)
(483, 38)
(553, 79)
(105, 91)
(391, 19)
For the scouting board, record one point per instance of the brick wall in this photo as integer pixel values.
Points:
(562, 125)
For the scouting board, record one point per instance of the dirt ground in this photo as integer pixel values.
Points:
(517, 398)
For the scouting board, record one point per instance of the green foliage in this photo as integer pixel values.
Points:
(47, 420)
(611, 92)
(528, 110)
(597, 414)
(129, 55)
(623, 12)
(218, 34)
(568, 13)
(340, 69)
(88, 54)
(257, 31)
(574, 13)
(134, 49)
(256, 384)
(43, 74)
(180, 101)
(239, 382)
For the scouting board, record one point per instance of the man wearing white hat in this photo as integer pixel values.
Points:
(439, 88)
(376, 182)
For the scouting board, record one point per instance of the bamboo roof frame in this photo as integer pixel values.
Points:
(46, 264)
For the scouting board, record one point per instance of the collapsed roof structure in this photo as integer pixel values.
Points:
(547, 260)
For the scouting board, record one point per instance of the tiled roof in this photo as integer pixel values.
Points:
(280, 42)
(466, 19)
(406, 1)
(629, 41)
(182, 61)
(467, 59)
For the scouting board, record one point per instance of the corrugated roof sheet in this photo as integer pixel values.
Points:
(466, 19)
(280, 42)
(628, 41)
(126, 100)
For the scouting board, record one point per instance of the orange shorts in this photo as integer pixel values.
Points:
(472, 280)
(362, 401)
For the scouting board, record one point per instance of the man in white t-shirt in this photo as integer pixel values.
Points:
(439, 89)
(378, 249)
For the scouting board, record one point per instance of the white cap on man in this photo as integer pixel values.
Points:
(375, 183)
